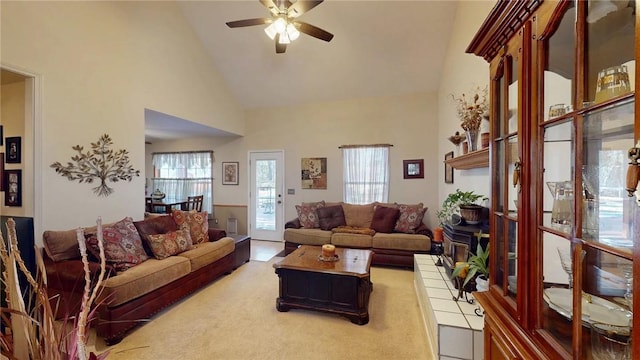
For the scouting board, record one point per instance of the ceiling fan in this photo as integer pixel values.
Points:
(283, 24)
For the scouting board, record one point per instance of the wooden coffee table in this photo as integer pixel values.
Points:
(341, 287)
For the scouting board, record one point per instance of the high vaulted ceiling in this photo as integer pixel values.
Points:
(380, 48)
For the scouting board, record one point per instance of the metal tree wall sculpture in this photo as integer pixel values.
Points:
(101, 162)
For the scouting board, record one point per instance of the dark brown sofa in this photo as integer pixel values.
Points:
(131, 297)
(391, 248)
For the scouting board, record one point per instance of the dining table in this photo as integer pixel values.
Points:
(165, 205)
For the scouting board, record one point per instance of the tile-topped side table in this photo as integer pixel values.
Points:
(453, 328)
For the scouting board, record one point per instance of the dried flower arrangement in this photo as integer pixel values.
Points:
(471, 108)
(31, 331)
(101, 162)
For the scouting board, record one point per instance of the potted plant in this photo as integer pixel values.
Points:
(464, 203)
(476, 267)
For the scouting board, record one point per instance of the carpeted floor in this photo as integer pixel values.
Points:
(235, 318)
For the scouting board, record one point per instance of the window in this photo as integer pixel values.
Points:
(183, 174)
(365, 173)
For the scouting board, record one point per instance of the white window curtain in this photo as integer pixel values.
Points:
(183, 174)
(366, 174)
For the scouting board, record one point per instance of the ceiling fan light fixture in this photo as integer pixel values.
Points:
(284, 39)
(280, 25)
(292, 32)
(271, 31)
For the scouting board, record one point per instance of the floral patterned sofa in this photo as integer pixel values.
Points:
(393, 231)
(151, 264)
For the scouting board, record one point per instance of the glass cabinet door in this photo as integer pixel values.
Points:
(586, 221)
(506, 88)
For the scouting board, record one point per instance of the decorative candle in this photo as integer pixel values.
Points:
(328, 251)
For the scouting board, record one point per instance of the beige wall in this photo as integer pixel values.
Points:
(461, 73)
(100, 65)
(316, 130)
(14, 109)
(134, 55)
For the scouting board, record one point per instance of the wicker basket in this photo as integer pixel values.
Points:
(472, 214)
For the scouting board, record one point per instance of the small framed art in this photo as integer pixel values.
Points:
(13, 186)
(413, 169)
(13, 150)
(230, 173)
(448, 169)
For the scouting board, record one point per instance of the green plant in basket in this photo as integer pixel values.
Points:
(452, 203)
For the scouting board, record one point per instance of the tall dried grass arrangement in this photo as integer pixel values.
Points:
(31, 329)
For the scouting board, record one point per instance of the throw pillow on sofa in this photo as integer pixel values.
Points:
(195, 222)
(122, 245)
(410, 218)
(172, 243)
(330, 217)
(307, 214)
(384, 219)
(358, 215)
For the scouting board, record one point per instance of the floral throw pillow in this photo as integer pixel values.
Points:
(171, 243)
(122, 245)
(194, 222)
(308, 215)
(410, 218)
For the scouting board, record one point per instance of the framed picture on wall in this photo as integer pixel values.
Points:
(448, 169)
(13, 186)
(13, 150)
(230, 173)
(1, 136)
(413, 169)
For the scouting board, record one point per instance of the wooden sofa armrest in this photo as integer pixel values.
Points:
(216, 234)
(293, 224)
(68, 275)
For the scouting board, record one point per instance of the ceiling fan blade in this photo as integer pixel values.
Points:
(302, 6)
(314, 31)
(280, 48)
(249, 22)
(269, 4)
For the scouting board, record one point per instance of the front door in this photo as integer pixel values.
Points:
(266, 200)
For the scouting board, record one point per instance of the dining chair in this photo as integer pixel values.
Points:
(148, 204)
(195, 202)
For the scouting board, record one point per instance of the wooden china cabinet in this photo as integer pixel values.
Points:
(564, 158)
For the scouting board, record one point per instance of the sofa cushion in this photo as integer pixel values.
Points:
(195, 222)
(351, 240)
(122, 245)
(171, 243)
(358, 215)
(384, 218)
(397, 241)
(330, 217)
(391, 205)
(308, 215)
(63, 244)
(156, 225)
(206, 253)
(307, 236)
(410, 218)
(142, 279)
